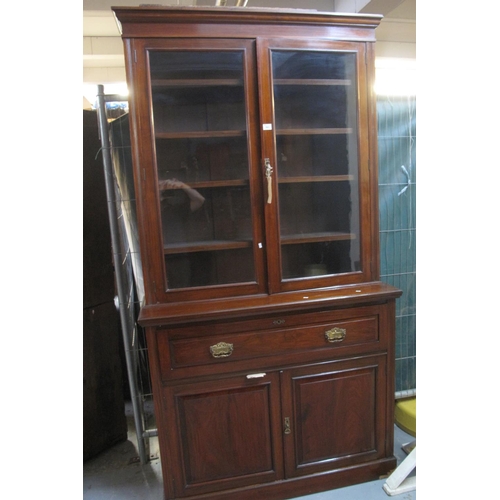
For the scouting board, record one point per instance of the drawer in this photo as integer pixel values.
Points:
(284, 344)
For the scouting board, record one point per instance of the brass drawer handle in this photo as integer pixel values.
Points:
(221, 350)
(335, 334)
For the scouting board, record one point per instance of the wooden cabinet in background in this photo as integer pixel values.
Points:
(104, 420)
(270, 336)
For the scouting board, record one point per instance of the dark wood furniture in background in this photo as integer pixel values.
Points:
(104, 420)
(270, 336)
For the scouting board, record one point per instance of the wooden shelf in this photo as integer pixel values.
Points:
(201, 134)
(245, 182)
(310, 81)
(198, 82)
(206, 246)
(315, 178)
(313, 131)
(207, 184)
(294, 239)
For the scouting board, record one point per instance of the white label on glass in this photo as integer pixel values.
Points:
(267, 126)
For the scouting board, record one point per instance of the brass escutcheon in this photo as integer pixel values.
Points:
(287, 429)
(335, 334)
(221, 350)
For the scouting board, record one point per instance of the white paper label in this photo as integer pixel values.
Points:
(267, 126)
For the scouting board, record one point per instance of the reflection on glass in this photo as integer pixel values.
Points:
(196, 200)
(202, 165)
(317, 160)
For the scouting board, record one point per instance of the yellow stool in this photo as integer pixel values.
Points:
(400, 480)
(405, 415)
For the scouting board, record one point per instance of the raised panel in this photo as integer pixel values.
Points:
(215, 430)
(224, 430)
(336, 415)
(345, 428)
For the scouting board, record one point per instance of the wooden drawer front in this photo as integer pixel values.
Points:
(227, 348)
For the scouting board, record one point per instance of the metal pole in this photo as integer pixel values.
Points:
(120, 282)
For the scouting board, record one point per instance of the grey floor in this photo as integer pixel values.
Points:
(116, 474)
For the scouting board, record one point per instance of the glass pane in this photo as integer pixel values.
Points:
(202, 164)
(317, 162)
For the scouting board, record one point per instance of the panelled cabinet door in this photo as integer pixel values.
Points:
(315, 150)
(334, 415)
(199, 178)
(227, 433)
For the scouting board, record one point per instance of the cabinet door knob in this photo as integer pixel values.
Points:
(221, 350)
(255, 375)
(335, 334)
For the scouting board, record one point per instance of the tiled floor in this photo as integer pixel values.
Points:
(116, 474)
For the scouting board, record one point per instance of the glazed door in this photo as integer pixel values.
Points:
(200, 176)
(334, 415)
(315, 161)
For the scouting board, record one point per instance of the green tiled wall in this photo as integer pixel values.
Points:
(397, 145)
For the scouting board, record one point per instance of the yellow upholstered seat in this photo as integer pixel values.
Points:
(406, 415)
